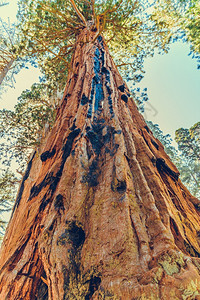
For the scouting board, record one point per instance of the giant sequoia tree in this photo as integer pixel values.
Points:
(101, 212)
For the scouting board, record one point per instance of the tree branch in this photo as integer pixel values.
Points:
(78, 12)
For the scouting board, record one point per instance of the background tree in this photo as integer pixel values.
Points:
(21, 130)
(7, 56)
(8, 189)
(189, 144)
(181, 19)
(2, 3)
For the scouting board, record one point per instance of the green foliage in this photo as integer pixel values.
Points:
(189, 144)
(192, 25)
(2, 3)
(181, 19)
(8, 189)
(49, 30)
(21, 130)
(7, 57)
(187, 159)
(189, 141)
(166, 140)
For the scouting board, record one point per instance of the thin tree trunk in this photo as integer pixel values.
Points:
(5, 70)
(101, 213)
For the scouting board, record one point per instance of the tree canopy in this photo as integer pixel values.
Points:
(49, 30)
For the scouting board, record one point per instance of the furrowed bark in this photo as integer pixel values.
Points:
(102, 213)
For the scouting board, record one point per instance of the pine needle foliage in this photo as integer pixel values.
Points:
(186, 157)
(22, 129)
(8, 189)
(49, 30)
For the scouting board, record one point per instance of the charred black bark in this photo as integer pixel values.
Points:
(47, 154)
(163, 167)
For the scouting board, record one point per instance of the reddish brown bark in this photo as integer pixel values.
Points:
(101, 213)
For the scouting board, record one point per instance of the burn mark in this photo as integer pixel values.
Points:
(118, 186)
(94, 29)
(66, 97)
(58, 204)
(74, 235)
(89, 114)
(89, 151)
(155, 144)
(47, 154)
(93, 287)
(197, 206)
(67, 148)
(191, 250)
(163, 167)
(147, 129)
(44, 203)
(100, 38)
(84, 100)
(121, 186)
(36, 189)
(124, 98)
(73, 127)
(42, 289)
(93, 173)
(122, 88)
(104, 70)
(98, 139)
(95, 137)
(52, 226)
(99, 95)
(114, 150)
(118, 131)
(21, 190)
(49, 179)
(97, 82)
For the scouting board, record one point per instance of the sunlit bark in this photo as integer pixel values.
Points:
(101, 213)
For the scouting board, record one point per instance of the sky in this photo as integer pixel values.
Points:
(172, 81)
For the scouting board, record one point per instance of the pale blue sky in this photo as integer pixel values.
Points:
(173, 83)
(172, 80)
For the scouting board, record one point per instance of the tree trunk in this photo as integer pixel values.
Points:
(101, 213)
(5, 70)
